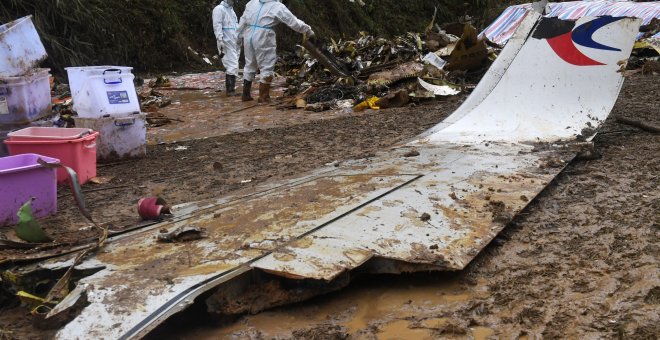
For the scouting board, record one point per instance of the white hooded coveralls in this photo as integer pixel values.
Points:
(225, 24)
(256, 27)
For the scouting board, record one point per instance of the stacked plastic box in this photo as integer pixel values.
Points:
(75, 148)
(24, 97)
(105, 99)
(24, 88)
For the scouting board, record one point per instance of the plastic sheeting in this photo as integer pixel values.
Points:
(502, 29)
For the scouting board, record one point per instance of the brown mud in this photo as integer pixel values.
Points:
(580, 262)
(204, 169)
(208, 113)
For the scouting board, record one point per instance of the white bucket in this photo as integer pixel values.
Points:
(20, 47)
(120, 137)
(99, 91)
(25, 98)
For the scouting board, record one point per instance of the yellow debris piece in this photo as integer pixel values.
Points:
(367, 104)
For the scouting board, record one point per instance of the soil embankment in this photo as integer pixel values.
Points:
(158, 35)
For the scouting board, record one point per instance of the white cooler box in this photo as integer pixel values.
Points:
(99, 91)
(120, 137)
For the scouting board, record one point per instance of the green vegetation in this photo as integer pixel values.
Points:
(154, 35)
(147, 34)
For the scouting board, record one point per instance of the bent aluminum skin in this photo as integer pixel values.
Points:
(430, 204)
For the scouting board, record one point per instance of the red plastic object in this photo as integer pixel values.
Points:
(151, 208)
(78, 154)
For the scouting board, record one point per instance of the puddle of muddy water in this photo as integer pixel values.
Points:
(482, 333)
(400, 330)
(387, 304)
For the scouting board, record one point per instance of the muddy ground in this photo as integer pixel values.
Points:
(580, 261)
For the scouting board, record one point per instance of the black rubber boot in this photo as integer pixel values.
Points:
(230, 85)
(247, 90)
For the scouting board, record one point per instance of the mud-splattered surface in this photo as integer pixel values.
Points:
(207, 113)
(581, 261)
(208, 168)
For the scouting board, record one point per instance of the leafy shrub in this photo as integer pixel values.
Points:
(154, 35)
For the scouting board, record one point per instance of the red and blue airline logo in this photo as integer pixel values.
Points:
(562, 36)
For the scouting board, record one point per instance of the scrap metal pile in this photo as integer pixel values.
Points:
(646, 52)
(374, 72)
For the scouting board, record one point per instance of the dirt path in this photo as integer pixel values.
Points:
(581, 261)
(208, 168)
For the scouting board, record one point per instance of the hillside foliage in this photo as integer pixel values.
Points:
(155, 35)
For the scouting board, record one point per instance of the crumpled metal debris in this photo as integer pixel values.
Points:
(368, 66)
(334, 92)
(182, 234)
(439, 90)
(325, 58)
(61, 110)
(411, 69)
(152, 100)
(435, 60)
(645, 56)
(470, 52)
(394, 99)
(160, 81)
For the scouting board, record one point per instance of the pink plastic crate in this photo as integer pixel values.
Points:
(21, 178)
(48, 133)
(78, 154)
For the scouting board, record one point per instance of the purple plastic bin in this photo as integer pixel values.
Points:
(21, 178)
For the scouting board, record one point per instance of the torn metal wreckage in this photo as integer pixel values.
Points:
(430, 204)
(326, 76)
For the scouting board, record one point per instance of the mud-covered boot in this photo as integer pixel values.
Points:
(230, 85)
(264, 90)
(247, 90)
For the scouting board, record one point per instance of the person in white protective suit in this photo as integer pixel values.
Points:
(225, 24)
(256, 28)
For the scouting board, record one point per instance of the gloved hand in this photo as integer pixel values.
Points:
(311, 33)
(221, 48)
